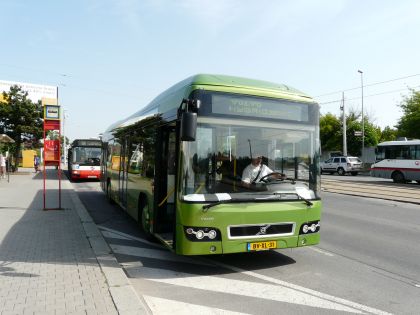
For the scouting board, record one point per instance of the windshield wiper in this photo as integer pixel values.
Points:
(286, 179)
(307, 201)
(211, 205)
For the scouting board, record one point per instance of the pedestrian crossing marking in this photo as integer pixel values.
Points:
(264, 291)
(155, 254)
(170, 307)
(275, 289)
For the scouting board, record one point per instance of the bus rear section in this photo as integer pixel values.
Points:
(84, 160)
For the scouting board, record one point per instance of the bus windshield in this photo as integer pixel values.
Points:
(213, 164)
(86, 156)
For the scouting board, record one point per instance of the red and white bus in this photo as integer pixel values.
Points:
(84, 159)
(398, 160)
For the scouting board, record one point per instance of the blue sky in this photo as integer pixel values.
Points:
(110, 58)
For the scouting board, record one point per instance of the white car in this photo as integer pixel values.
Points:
(342, 165)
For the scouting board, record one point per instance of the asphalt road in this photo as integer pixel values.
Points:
(367, 262)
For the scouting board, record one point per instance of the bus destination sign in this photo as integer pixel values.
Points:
(259, 107)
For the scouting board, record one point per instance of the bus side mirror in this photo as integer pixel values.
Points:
(188, 126)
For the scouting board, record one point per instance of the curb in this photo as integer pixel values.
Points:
(123, 295)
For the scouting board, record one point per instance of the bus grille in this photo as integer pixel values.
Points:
(261, 230)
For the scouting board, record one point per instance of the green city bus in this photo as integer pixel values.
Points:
(176, 166)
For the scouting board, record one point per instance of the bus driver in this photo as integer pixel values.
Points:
(255, 171)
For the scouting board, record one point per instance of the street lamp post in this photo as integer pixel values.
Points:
(363, 115)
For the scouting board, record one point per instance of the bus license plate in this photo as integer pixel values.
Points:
(262, 245)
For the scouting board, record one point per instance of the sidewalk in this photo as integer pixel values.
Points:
(56, 261)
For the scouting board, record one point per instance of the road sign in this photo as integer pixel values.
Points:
(358, 133)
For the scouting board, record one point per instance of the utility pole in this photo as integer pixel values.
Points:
(343, 115)
(363, 116)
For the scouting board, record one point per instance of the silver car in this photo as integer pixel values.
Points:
(342, 165)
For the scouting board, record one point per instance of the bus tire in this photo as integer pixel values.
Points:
(398, 177)
(143, 209)
(341, 171)
(108, 193)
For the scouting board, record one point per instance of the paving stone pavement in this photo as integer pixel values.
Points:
(47, 264)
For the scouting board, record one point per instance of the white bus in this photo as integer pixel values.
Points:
(398, 160)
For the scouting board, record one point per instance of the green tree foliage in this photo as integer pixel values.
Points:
(330, 132)
(409, 124)
(354, 143)
(20, 118)
(388, 134)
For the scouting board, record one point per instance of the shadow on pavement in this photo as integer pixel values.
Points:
(42, 237)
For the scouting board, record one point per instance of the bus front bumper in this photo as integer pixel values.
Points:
(241, 246)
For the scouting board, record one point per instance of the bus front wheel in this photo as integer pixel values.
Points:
(398, 177)
(143, 220)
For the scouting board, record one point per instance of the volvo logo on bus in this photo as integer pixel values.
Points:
(263, 229)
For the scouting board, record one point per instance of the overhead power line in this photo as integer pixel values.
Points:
(371, 84)
(358, 98)
(35, 70)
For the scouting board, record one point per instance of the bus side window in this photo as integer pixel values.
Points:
(135, 159)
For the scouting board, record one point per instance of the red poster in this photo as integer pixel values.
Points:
(52, 150)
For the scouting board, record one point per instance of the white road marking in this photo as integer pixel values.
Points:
(155, 254)
(298, 288)
(238, 287)
(166, 255)
(164, 306)
(121, 235)
(115, 235)
(321, 251)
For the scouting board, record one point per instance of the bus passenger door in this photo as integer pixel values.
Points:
(165, 184)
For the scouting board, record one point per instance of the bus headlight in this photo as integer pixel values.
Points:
(199, 234)
(310, 227)
(202, 234)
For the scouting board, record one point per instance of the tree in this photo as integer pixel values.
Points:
(354, 143)
(408, 124)
(330, 132)
(388, 134)
(20, 118)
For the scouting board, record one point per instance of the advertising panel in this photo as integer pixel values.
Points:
(36, 92)
(52, 150)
